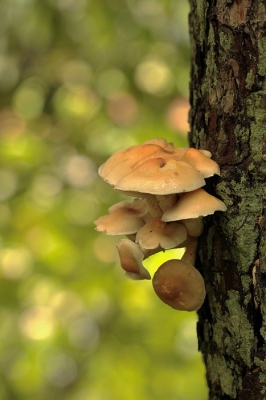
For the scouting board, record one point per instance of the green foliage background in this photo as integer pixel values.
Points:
(79, 80)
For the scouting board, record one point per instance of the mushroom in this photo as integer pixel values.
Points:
(159, 176)
(123, 162)
(201, 163)
(179, 284)
(125, 218)
(131, 258)
(157, 233)
(167, 183)
(194, 204)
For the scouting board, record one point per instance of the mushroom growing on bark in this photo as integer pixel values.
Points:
(167, 212)
(178, 284)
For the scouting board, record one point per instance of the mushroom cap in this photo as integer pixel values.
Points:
(157, 233)
(131, 258)
(194, 204)
(179, 285)
(159, 176)
(125, 161)
(201, 163)
(125, 218)
(162, 143)
(206, 153)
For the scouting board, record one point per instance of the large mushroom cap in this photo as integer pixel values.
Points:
(193, 205)
(157, 233)
(159, 176)
(179, 285)
(124, 162)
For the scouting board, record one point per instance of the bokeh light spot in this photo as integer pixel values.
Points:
(16, 263)
(61, 370)
(154, 77)
(110, 81)
(66, 305)
(79, 170)
(37, 323)
(76, 73)
(122, 108)
(84, 333)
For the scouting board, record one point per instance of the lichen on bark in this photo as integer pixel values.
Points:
(228, 115)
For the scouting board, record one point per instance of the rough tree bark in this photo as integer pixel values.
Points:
(228, 117)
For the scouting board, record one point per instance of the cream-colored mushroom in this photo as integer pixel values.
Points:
(194, 204)
(131, 258)
(159, 176)
(201, 163)
(157, 233)
(125, 218)
(179, 284)
(125, 161)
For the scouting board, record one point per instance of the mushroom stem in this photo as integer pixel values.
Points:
(153, 206)
(189, 256)
(167, 201)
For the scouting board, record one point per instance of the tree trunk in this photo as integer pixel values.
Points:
(228, 116)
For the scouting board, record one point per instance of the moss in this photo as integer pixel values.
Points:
(240, 328)
(262, 379)
(262, 57)
(211, 68)
(250, 79)
(201, 13)
(246, 283)
(260, 364)
(225, 41)
(256, 104)
(221, 371)
(240, 222)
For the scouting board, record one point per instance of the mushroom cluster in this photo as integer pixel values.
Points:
(167, 213)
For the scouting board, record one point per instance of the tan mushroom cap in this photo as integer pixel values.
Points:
(206, 153)
(193, 205)
(125, 218)
(124, 162)
(131, 258)
(201, 163)
(169, 146)
(157, 233)
(179, 285)
(159, 176)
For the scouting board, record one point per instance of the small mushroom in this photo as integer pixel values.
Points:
(157, 233)
(179, 284)
(194, 204)
(201, 163)
(131, 258)
(125, 218)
